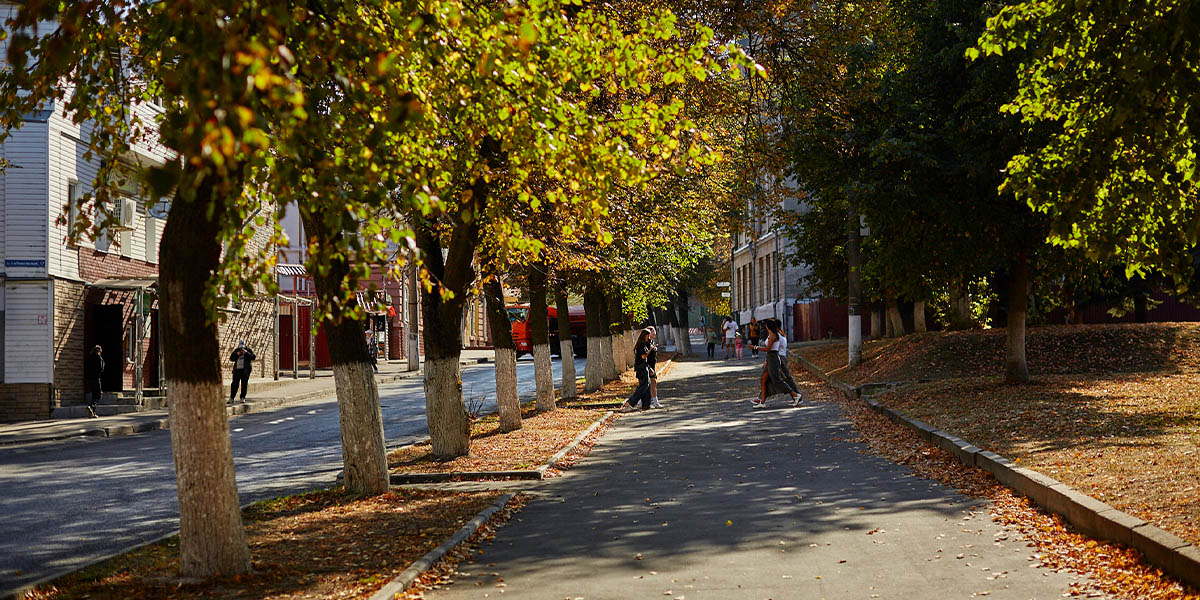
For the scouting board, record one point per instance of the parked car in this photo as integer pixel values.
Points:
(518, 316)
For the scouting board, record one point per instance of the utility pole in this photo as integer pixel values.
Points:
(854, 280)
(414, 348)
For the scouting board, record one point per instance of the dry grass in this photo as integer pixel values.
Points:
(317, 545)
(1131, 441)
(1056, 349)
(539, 438)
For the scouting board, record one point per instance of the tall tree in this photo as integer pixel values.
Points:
(1117, 85)
(508, 403)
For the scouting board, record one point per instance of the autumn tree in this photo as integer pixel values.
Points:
(493, 103)
(218, 99)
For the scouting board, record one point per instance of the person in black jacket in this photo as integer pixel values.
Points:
(93, 373)
(242, 359)
(641, 366)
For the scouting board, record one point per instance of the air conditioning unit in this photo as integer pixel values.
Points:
(127, 215)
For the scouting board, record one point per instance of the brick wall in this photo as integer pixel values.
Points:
(69, 342)
(255, 323)
(25, 401)
(95, 265)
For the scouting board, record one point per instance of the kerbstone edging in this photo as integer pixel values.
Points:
(1161, 548)
(406, 578)
(532, 474)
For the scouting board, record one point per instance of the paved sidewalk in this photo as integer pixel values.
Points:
(710, 499)
(265, 394)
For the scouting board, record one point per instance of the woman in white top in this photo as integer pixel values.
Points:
(776, 378)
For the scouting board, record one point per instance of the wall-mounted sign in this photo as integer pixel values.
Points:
(722, 284)
(724, 294)
(24, 264)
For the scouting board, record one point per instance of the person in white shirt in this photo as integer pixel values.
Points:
(776, 377)
(731, 330)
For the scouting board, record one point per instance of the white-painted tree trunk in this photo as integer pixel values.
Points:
(364, 454)
(543, 375)
(607, 363)
(630, 341)
(205, 480)
(508, 404)
(919, 316)
(568, 369)
(449, 428)
(593, 371)
(680, 335)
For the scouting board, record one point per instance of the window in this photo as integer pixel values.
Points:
(72, 209)
(151, 240)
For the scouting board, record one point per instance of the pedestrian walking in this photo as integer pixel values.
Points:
(243, 362)
(652, 368)
(710, 338)
(730, 328)
(373, 350)
(641, 367)
(93, 375)
(776, 377)
(753, 331)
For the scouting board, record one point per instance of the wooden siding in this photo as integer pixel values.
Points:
(28, 332)
(25, 206)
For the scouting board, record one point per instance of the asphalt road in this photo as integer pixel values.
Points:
(68, 503)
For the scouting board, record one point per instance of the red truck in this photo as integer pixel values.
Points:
(518, 316)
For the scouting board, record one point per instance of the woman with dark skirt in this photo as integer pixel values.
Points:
(776, 377)
(641, 366)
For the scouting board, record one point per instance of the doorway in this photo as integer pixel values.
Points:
(108, 332)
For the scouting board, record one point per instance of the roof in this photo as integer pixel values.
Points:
(291, 270)
(125, 283)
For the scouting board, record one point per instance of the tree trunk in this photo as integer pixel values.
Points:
(876, 323)
(449, 424)
(616, 333)
(684, 343)
(1139, 308)
(212, 540)
(1016, 369)
(608, 360)
(539, 323)
(364, 451)
(565, 343)
(919, 317)
(593, 372)
(960, 308)
(508, 404)
(895, 322)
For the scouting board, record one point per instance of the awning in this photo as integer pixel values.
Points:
(288, 270)
(125, 283)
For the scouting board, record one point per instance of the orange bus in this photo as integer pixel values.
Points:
(518, 316)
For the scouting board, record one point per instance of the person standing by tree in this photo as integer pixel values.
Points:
(93, 372)
(777, 378)
(731, 330)
(242, 359)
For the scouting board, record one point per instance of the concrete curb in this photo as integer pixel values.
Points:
(1162, 549)
(406, 578)
(532, 474)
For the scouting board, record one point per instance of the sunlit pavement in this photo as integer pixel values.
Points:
(711, 499)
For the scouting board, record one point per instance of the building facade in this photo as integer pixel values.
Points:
(58, 299)
(762, 282)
